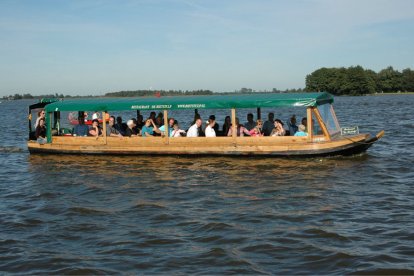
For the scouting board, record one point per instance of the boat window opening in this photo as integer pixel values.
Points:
(329, 118)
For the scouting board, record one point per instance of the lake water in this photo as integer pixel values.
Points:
(213, 215)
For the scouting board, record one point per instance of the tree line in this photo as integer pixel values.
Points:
(356, 80)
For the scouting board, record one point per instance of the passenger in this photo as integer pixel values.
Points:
(148, 130)
(278, 129)
(226, 126)
(140, 121)
(241, 130)
(95, 130)
(269, 124)
(81, 129)
(40, 115)
(305, 123)
(196, 117)
(257, 130)
(170, 127)
(177, 132)
(216, 125)
(301, 131)
(95, 115)
(131, 129)
(152, 116)
(291, 124)
(250, 124)
(210, 132)
(159, 121)
(41, 132)
(136, 128)
(120, 126)
(194, 130)
(111, 130)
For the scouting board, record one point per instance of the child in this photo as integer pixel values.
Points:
(301, 131)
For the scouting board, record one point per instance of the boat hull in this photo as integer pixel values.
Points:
(223, 146)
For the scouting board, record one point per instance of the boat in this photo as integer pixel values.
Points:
(325, 136)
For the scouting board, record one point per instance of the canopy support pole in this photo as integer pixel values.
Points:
(309, 123)
(259, 113)
(322, 124)
(233, 124)
(104, 127)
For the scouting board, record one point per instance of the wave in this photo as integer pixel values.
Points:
(11, 149)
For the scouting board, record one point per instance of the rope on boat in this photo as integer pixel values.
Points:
(371, 141)
(361, 143)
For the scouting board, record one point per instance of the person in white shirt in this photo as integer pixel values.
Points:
(193, 130)
(210, 132)
(177, 132)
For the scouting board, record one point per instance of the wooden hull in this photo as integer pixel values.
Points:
(240, 146)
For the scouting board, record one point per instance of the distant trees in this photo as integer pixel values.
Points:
(149, 93)
(356, 80)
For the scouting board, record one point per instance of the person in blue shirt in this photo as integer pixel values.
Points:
(149, 128)
(170, 127)
(81, 129)
(301, 131)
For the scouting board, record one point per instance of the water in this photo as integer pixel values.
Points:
(158, 215)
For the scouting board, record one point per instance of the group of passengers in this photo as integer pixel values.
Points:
(154, 126)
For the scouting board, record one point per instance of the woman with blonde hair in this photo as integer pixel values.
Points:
(257, 130)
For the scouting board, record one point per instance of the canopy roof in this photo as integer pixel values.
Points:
(193, 102)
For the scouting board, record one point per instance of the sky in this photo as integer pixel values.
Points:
(91, 47)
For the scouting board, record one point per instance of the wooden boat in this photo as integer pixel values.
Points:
(324, 133)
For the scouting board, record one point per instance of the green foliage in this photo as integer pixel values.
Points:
(358, 81)
(151, 93)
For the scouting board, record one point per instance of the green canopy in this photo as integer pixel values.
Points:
(194, 102)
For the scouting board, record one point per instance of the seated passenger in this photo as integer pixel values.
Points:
(149, 128)
(177, 132)
(170, 127)
(241, 130)
(120, 126)
(95, 115)
(140, 121)
(291, 124)
(111, 130)
(41, 131)
(216, 125)
(226, 126)
(95, 130)
(269, 124)
(250, 124)
(278, 129)
(257, 130)
(301, 131)
(40, 115)
(210, 132)
(131, 129)
(81, 129)
(194, 130)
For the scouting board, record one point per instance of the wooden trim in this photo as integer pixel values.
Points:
(322, 123)
(309, 123)
(285, 145)
(233, 123)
